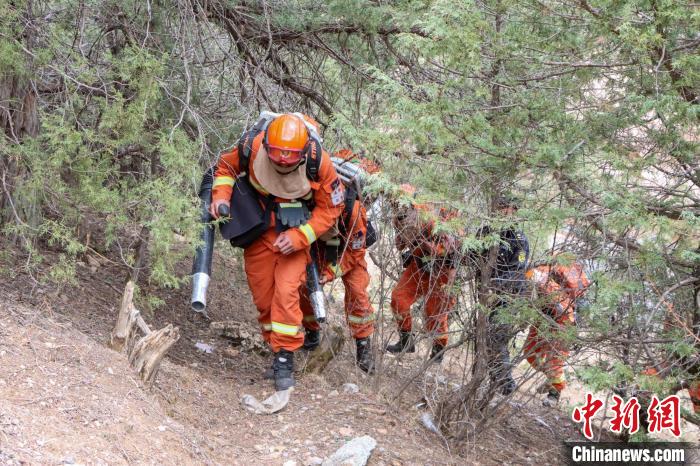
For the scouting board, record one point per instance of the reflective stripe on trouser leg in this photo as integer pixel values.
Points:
(285, 311)
(284, 329)
(258, 264)
(554, 367)
(438, 305)
(358, 309)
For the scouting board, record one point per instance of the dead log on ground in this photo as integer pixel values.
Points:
(146, 353)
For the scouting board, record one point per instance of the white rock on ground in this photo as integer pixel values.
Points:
(356, 452)
(350, 388)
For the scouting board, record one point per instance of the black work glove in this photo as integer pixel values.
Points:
(406, 258)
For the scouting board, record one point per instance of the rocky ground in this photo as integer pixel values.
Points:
(67, 398)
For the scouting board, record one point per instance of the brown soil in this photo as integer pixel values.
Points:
(67, 398)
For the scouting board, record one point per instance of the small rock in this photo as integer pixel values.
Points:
(350, 388)
(205, 348)
(382, 431)
(333, 393)
(313, 461)
(290, 463)
(345, 431)
(356, 452)
(162, 428)
(68, 460)
(110, 371)
(259, 447)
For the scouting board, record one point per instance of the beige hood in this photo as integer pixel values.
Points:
(294, 185)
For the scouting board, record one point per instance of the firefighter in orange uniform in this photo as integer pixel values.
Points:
(429, 272)
(559, 286)
(292, 176)
(342, 254)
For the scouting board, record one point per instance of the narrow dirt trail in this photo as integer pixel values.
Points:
(67, 398)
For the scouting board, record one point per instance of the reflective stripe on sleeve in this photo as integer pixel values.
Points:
(556, 380)
(223, 181)
(308, 232)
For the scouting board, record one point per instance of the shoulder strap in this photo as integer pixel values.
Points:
(350, 198)
(314, 155)
(245, 143)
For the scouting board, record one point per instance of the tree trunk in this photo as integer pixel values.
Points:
(19, 119)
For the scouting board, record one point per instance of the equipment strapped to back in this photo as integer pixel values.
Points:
(312, 151)
(353, 177)
(572, 278)
(349, 173)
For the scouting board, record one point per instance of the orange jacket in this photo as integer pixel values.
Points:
(561, 301)
(426, 242)
(355, 245)
(325, 212)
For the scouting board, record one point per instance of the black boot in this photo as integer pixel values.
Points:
(507, 386)
(552, 398)
(365, 359)
(284, 370)
(437, 353)
(312, 338)
(405, 344)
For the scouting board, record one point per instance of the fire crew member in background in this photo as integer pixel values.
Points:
(507, 283)
(275, 263)
(558, 287)
(683, 368)
(429, 271)
(342, 254)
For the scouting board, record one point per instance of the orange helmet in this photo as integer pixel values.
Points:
(408, 189)
(345, 154)
(285, 140)
(370, 166)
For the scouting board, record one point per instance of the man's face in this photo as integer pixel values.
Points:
(507, 211)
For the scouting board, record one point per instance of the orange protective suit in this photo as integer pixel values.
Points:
(429, 273)
(548, 354)
(352, 268)
(274, 279)
(644, 396)
(694, 392)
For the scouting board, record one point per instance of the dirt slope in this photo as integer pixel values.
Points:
(68, 398)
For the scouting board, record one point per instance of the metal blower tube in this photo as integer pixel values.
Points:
(201, 267)
(313, 285)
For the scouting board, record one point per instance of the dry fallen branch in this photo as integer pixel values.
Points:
(145, 354)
